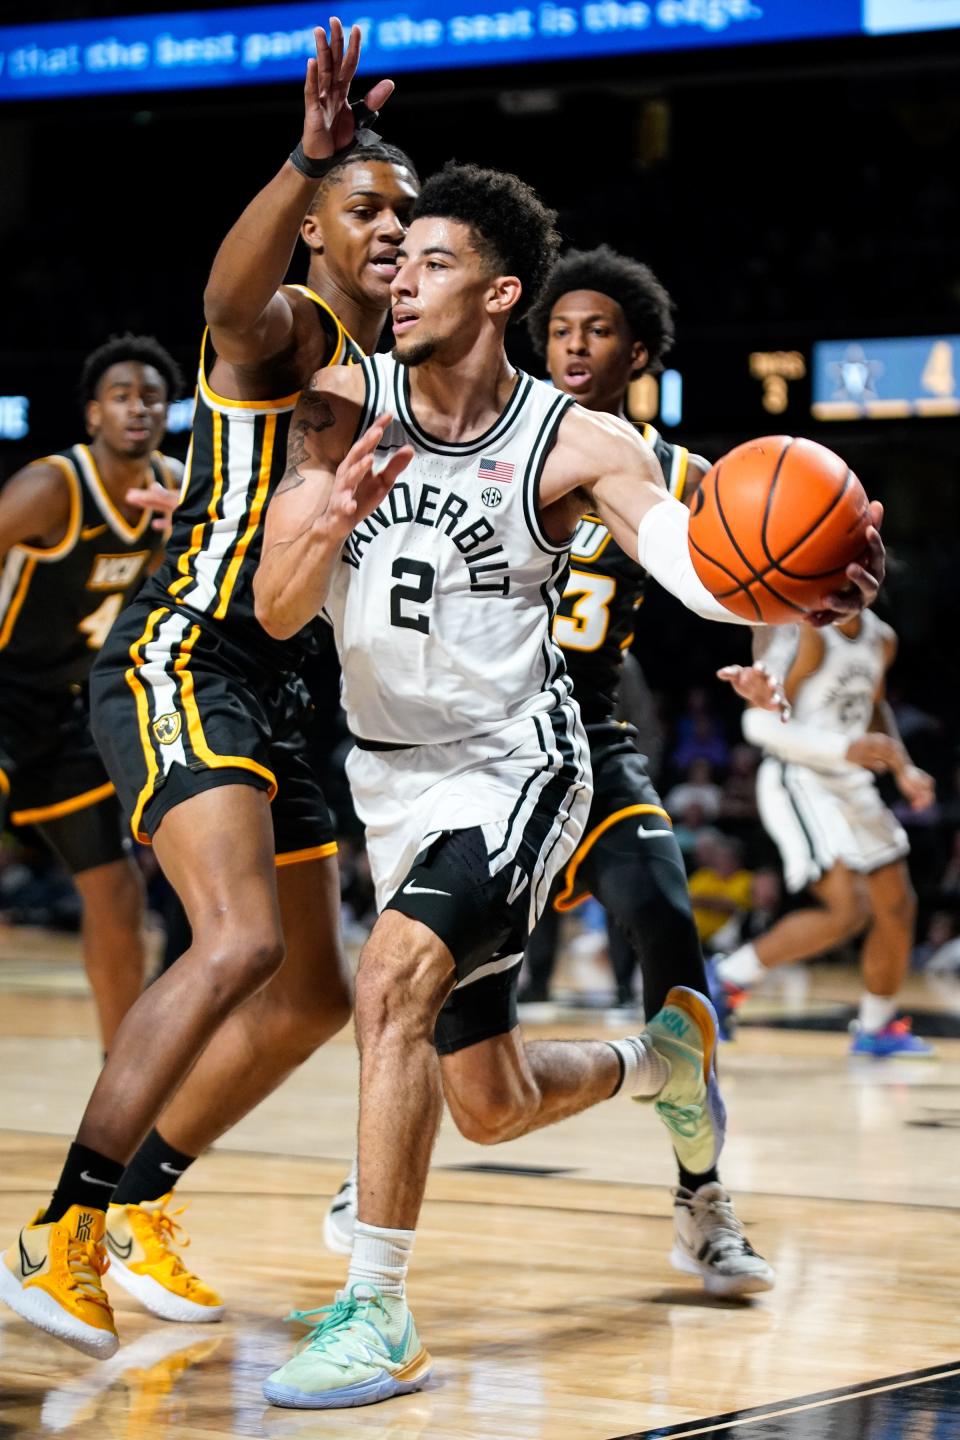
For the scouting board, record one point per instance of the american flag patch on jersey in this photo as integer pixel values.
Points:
(500, 470)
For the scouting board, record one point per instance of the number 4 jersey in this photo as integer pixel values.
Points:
(443, 601)
(57, 605)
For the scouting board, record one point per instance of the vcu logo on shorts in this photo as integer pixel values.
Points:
(167, 727)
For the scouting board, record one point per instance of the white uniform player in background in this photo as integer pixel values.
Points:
(818, 800)
(441, 573)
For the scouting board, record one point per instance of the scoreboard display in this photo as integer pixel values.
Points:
(886, 379)
(261, 44)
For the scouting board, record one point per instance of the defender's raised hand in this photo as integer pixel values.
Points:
(328, 124)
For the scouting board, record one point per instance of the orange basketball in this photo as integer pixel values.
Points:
(774, 526)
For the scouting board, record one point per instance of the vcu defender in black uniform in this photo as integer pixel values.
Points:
(595, 627)
(197, 714)
(191, 694)
(72, 556)
(603, 320)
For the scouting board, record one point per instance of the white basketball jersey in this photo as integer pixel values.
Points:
(443, 601)
(839, 696)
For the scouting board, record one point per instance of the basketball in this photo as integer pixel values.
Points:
(774, 526)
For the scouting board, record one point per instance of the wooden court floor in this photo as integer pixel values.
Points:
(542, 1288)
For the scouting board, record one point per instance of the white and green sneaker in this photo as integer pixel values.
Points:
(365, 1348)
(686, 1034)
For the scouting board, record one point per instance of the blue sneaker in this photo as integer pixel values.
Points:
(365, 1348)
(895, 1039)
(686, 1034)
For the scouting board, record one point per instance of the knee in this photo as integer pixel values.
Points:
(652, 900)
(851, 912)
(899, 907)
(239, 964)
(488, 1115)
(402, 981)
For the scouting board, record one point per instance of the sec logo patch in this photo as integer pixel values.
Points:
(491, 497)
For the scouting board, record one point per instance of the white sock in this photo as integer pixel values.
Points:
(645, 1072)
(380, 1258)
(876, 1012)
(744, 967)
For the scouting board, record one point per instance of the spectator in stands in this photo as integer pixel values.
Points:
(766, 900)
(699, 790)
(699, 735)
(720, 887)
(739, 799)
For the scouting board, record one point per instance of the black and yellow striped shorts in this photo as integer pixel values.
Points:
(178, 707)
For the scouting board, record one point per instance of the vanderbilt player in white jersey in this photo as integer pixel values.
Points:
(818, 800)
(602, 319)
(471, 770)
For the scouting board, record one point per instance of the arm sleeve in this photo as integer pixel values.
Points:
(664, 552)
(801, 744)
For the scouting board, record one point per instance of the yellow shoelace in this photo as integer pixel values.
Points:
(168, 1233)
(87, 1260)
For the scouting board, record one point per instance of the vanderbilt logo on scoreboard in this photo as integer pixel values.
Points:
(116, 572)
(167, 728)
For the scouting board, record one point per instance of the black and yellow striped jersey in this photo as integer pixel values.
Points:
(236, 460)
(594, 624)
(57, 604)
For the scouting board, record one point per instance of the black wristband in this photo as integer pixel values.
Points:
(363, 135)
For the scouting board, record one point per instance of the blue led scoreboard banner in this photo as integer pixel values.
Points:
(886, 379)
(272, 42)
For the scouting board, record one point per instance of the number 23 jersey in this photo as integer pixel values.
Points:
(603, 592)
(443, 601)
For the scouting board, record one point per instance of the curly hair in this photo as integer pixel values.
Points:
(645, 303)
(514, 232)
(380, 151)
(142, 348)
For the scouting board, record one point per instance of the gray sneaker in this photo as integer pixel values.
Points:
(709, 1242)
(341, 1217)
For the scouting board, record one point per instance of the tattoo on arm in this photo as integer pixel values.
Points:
(314, 413)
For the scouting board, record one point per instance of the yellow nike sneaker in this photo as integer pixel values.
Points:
(141, 1239)
(52, 1277)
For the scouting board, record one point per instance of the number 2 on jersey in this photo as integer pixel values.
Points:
(97, 626)
(419, 594)
(585, 628)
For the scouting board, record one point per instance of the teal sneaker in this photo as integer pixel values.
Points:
(363, 1350)
(686, 1033)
